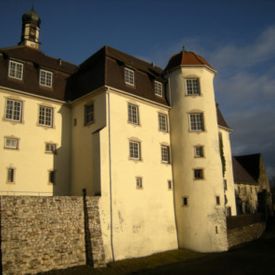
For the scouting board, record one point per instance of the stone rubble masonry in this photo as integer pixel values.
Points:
(44, 233)
(245, 234)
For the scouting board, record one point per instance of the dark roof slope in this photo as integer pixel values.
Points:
(106, 67)
(251, 163)
(34, 60)
(186, 58)
(241, 175)
(221, 120)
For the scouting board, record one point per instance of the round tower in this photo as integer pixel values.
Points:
(197, 167)
(30, 29)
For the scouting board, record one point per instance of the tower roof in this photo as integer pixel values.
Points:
(31, 17)
(186, 58)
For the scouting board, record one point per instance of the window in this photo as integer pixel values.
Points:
(198, 174)
(88, 114)
(228, 211)
(13, 110)
(184, 201)
(225, 184)
(46, 78)
(165, 154)
(15, 70)
(133, 113)
(11, 175)
(193, 86)
(11, 143)
(50, 148)
(158, 88)
(52, 176)
(139, 182)
(163, 125)
(169, 184)
(134, 148)
(199, 152)
(45, 116)
(196, 122)
(218, 201)
(129, 77)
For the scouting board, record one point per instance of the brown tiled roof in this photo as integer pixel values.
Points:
(251, 163)
(241, 175)
(186, 58)
(33, 60)
(106, 67)
(221, 120)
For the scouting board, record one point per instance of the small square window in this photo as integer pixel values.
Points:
(199, 152)
(133, 113)
(218, 201)
(52, 176)
(139, 183)
(198, 174)
(193, 86)
(11, 143)
(50, 148)
(196, 122)
(13, 110)
(165, 154)
(46, 78)
(184, 201)
(158, 88)
(163, 122)
(45, 116)
(11, 175)
(129, 77)
(15, 70)
(170, 185)
(134, 148)
(88, 114)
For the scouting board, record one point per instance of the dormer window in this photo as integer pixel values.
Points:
(15, 70)
(193, 86)
(158, 88)
(46, 78)
(129, 77)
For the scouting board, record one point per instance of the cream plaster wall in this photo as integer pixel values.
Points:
(228, 175)
(143, 220)
(31, 162)
(201, 225)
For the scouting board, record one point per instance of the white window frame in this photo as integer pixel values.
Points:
(196, 122)
(165, 153)
(129, 76)
(195, 173)
(50, 147)
(45, 116)
(139, 183)
(13, 110)
(163, 122)
(198, 151)
(158, 88)
(133, 114)
(11, 143)
(11, 175)
(16, 70)
(192, 87)
(45, 78)
(134, 150)
(89, 112)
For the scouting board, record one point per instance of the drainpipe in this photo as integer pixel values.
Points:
(110, 178)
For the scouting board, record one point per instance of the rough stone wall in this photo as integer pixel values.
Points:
(44, 233)
(245, 234)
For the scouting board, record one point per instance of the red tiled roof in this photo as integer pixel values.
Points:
(186, 58)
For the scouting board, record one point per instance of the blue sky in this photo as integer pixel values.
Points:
(236, 37)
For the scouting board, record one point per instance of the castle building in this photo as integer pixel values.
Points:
(152, 143)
